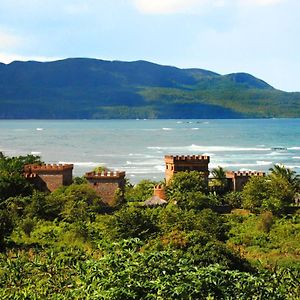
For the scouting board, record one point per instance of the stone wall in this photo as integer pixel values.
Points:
(106, 184)
(237, 180)
(49, 177)
(181, 163)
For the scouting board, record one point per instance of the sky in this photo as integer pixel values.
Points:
(260, 37)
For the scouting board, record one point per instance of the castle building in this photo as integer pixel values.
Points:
(158, 198)
(181, 163)
(49, 177)
(237, 180)
(106, 184)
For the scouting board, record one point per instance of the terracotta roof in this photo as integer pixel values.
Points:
(155, 200)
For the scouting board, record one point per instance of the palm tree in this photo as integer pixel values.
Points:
(280, 171)
(219, 180)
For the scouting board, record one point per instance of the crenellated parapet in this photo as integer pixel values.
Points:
(107, 184)
(105, 174)
(182, 163)
(187, 158)
(30, 175)
(238, 179)
(49, 177)
(160, 191)
(234, 174)
(34, 168)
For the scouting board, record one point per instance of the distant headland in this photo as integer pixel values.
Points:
(84, 88)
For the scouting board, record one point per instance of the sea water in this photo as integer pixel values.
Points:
(138, 146)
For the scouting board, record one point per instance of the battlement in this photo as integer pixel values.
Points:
(47, 168)
(234, 174)
(105, 174)
(30, 175)
(49, 177)
(187, 158)
(159, 191)
(238, 179)
(159, 187)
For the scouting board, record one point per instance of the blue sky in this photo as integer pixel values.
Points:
(261, 37)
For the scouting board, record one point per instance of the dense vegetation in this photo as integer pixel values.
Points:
(90, 88)
(67, 245)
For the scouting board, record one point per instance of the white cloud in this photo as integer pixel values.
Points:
(8, 40)
(77, 8)
(193, 6)
(10, 57)
(259, 2)
(168, 6)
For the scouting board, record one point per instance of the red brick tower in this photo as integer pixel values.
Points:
(106, 184)
(183, 163)
(238, 179)
(49, 177)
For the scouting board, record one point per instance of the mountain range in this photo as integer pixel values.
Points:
(84, 88)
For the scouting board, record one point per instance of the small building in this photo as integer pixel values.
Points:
(49, 177)
(106, 184)
(181, 163)
(238, 179)
(158, 198)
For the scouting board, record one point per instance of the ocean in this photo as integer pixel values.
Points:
(138, 146)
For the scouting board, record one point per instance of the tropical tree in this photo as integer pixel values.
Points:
(219, 181)
(280, 171)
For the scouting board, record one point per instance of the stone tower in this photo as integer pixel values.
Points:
(238, 179)
(49, 177)
(106, 184)
(183, 163)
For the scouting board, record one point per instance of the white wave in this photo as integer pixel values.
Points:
(82, 164)
(292, 166)
(264, 163)
(145, 162)
(274, 153)
(194, 147)
(141, 171)
(294, 148)
(142, 155)
(167, 128)
(208, 154)
(296, 157)
(235, 165)
(246, 170)
(195, 128)
(35, 152)
(160, 168)
(39, 129)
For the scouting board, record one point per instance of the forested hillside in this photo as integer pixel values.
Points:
(89, 88)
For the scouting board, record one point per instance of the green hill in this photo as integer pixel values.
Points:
(91, 88)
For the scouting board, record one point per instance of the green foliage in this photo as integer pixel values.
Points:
(13, 165)
(280, 171)
(6, 226)
(79, 180)
(141, 191)
(131, 222)
(134, 275)
(64, 245)
(12, 181)
(272, 193)
(271, 240)
(234, 199)
(219, 182)
(80, 202)
(13, 184)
